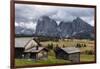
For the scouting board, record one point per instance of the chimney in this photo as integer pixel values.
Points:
(37, 47)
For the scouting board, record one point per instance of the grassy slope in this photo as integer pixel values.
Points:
(51, 57)
(86, 58)
(51, 60)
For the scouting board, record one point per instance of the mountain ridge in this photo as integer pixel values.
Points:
(49, 28)
(64, 29)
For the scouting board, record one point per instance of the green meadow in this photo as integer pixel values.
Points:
(86, 55)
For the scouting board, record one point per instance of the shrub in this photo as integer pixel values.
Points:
(89, 52)
(50, 46)
(84, 45)
(63, 46)
(78, 45)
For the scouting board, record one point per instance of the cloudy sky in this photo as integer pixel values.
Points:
(26, 15)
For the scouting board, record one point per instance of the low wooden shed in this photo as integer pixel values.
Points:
(69, 53)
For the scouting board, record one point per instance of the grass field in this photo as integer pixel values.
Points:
(72, 43)
(87, 58)
(51, 60)
(67, 43)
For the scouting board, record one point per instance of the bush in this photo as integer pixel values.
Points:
(63, 46)
(50, 46)
(84, 45)
(78, 45)
(89, 52)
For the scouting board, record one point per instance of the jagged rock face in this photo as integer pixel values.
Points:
(23, 31)
(46, 27)
(66, 29)
(81, 26)
(49, 28)
(69, 29)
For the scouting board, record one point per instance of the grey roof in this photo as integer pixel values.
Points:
(32, 43)
(34, 49)
(71, 50)
(21, 42)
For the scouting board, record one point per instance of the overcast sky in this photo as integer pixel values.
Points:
(26, 14)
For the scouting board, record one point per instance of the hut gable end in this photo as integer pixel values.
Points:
(69, 53)
(31, 44)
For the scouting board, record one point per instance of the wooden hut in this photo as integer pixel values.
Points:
(30, 49)
(19, 46)
(69, 53)
(36, 53)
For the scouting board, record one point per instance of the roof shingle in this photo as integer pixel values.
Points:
(71, 50)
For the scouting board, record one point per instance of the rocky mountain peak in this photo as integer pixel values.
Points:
(46, 27)
(79, 20)
(49, 27)
(44, 18)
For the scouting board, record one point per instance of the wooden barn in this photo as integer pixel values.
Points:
(36, 53)
(30, 49)
(69, 53)
(19, 46)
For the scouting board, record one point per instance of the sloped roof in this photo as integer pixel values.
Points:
(21, 42)
(26, 43)
(30, 44)
(71, 50)
(34, 49)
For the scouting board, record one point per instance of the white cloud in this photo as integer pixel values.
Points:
(30, 13)
(63, 16)
(16, 24)
(92, 22)
(89, 20)
(29, 25)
